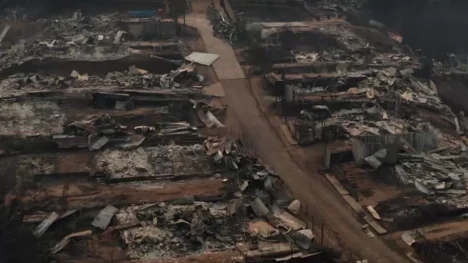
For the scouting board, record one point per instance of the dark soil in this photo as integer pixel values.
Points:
(17, 244)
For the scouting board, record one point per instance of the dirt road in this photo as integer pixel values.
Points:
(311, 189)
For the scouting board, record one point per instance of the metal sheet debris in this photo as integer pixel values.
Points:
(374, 213)
(409, 237)
(244, 185)
(97, 142)
(294, 207)
(289, 220)
(421, 187)
(83, 77)
(118, 36)
(302, 238)
(66, 240)
(74, 74)
(132, 141)
(208, 118)
(42, 227)
(4, 32)
(41, 216)
(372, 161)
(103, 219)
(202, 58)
(259, 207)
(213, 119)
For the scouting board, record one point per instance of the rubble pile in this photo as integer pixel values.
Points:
(380, 104)
(357, 83)
(206, 116)
(77, 36)
(327, 40)
(168, 230)
(127, 131)
(302, 57)
(254, 215)
(104, 130)
(25, 119)
(163, 162)
(261, 188)
(22, 81)
(80, 29)
(183, 78)
(440, 174)
(392, 102)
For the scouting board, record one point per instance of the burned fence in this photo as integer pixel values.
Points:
(364, 146)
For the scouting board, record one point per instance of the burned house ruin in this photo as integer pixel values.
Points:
(229, 131)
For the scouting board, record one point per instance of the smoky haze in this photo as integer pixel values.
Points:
(437, 27)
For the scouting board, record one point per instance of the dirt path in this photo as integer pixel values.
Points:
(311, 189)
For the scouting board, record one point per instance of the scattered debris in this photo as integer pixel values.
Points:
(64, 242)
(302, 238)
(118, 36)
(374, 213)
(177, 78)
(207, 117)
(366, 230)
(75, 74)
(132, 142)
(4, 32)
(103, 219)
(372, 161)
(307, 58)
(363, 103)
(233, 30)
(96, 143)
(44, 225)
(259, 207)
(294, 207)
(409, 237)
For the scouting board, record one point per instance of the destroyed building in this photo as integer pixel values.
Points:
(115, 148)
(390, 133)
(217, 131)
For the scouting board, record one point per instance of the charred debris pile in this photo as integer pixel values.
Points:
(377, 107)
(241, 206)
(119, 90)
(230, 26)
(105, 151)
(84, 37)
(366, 88)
